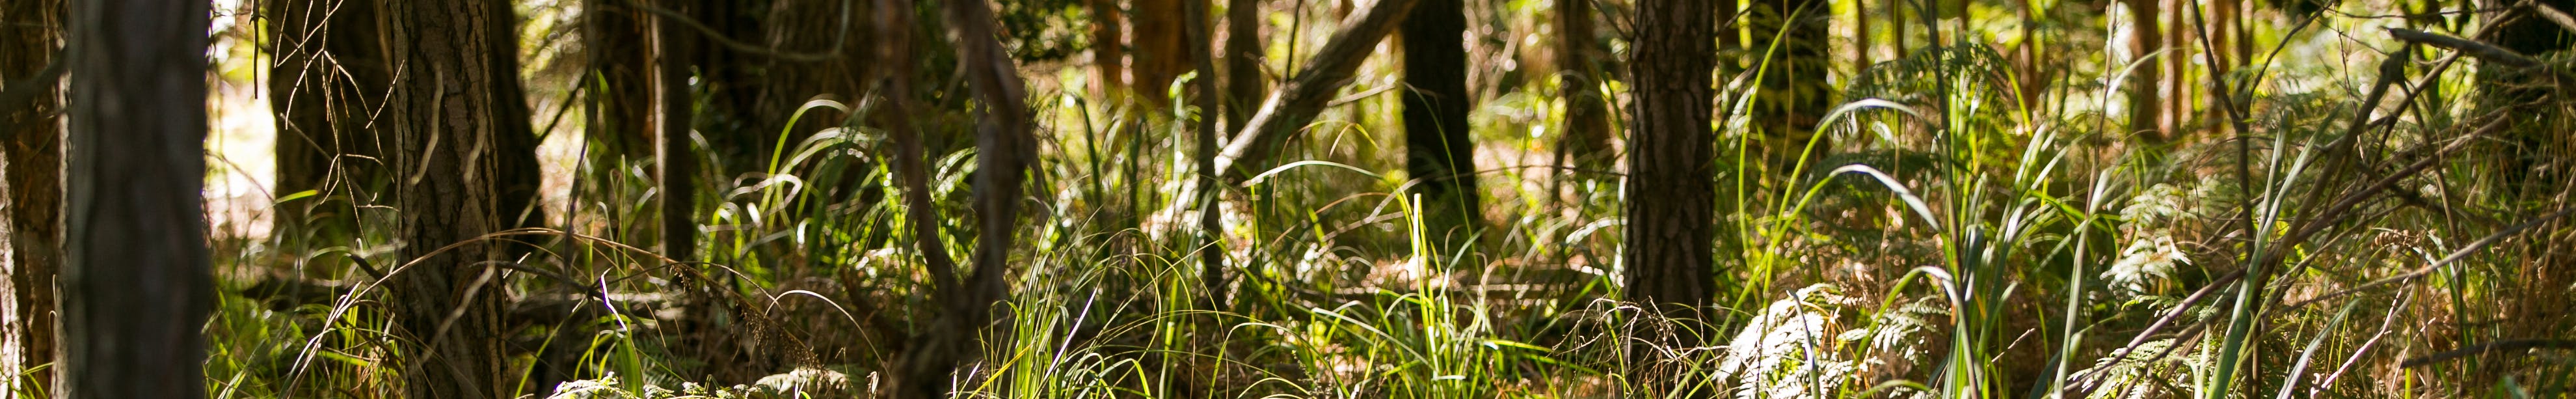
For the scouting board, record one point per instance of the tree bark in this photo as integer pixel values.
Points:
(2142, 82)
(137, 289)
(30, 37)
(456, 114)
(1244, 82)
(1438, 151)
(329, 74)
(1586, 137)
(1671, 163)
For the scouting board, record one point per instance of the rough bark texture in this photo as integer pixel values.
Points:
(1322, 77)
(328, 77)
(30, 35)
(454, 112)
(1438, 152)
(137, 289)
(1244, 82)
(1671, 194)
(1586, 137)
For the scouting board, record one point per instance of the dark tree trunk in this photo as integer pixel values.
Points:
(1244, 82)
(1438, 152)
(455, 119)
(1671, 164)
(137, 289)
(1161, 53)
(675, 44)
(1586, 139)
(821, 54)
(621, 90)
(1211, 232)
(328, 76)
(30, 36)
(1004, 146)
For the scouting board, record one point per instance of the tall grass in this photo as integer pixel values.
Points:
(1934, 237)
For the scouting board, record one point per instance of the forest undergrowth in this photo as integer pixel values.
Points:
(2358, 209)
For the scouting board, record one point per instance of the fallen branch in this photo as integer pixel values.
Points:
(2552, 14)
(2474, 48)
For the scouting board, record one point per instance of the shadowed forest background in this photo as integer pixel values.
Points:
(1288, 198)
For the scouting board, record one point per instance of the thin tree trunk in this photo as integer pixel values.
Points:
(621, 94)
(137, 288)
(454, 113)
(1244, 82)
(1004, 145)
(1438, 152)
(2177, 75)
(1671, 164)
(675, 44)
(1108, 60)
(1211, 240)
(2144, 78)
(1587, 123)
(30, 37)
(1294, 104)
(328, 75)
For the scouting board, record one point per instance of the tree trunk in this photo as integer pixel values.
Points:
(621, 89)
(1671, 164)
(2177, 75)
(453, 116)
(825, 44)
(329, 75)
(1108, 62)
(675, 44)
(30, 36)
(1211, 231)
(2144, 78)
(1586, 140)
(1438, 153)
(1297, 102)
(1244, 82)
(137, 289)
(1004, 146)
(1161, 54)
